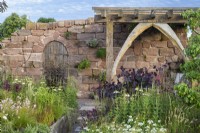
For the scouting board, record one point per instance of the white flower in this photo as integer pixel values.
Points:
(163, 130)
(140, 124)
(115, 92)
(150, 121)
(5, 117)
(153, 130)
(86, 128)
(136, 89)
(159, 121)
(128, 126)
(130, 120)
(127, 95)
(154, 124)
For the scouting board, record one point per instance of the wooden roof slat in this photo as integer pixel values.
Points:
(140, 14)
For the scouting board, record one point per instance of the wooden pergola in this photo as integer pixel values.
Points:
(146, 17)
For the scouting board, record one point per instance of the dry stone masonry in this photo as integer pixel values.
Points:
(22, 54)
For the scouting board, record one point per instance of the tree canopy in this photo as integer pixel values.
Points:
(46, 20)
(11, 24)
(3, 6)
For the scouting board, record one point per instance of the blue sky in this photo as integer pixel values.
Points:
(81, 9)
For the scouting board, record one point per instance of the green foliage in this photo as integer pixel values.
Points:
(193, 17)
(102, 76)
(101, 53)
(93, 43)
(11, 24)
(3, 6)
(191, 68)
(84, 64)
(67, 34)
(189, 95)
(145, 109)
(34, 107)
(46, 20)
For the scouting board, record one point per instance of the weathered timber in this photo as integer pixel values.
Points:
(109, 49)
(140, 15)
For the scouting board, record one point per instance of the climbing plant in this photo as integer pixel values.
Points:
(191, 68)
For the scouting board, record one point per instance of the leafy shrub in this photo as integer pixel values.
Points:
(84, 64)
(67, 34)
(189, 95)
(131, 80)
(101, 53)
(93, 43)
(46, 20)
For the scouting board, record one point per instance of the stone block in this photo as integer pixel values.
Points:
(15, 64)
(84, 87)
(6, 40)
(170, 45)
(33, 38)
(89, 80)
(168, 59)
(42, 26)
(24, 32)
(87, 51)
(11, 57)
(81, 44)
(69, 23)
(120, 36)
(75, 59)
(27, 50)
(161, 59)
(37, 32)
(137, 48)
(76, 29)
(37, 64)
(174, 66)
(164, 38)
(33, 57)
(14, 34)
(85, 36)
(92, 58)
(129, 64)
(12, 51)
(14, 45)
(96, 71)
(175, 58)
(146, 44)
(38, 49)
(73, 72)
(151, 59)
(159, 44)
(31, 26)
(166, 51)
(34, 71)
(61, 23)
(93, 87)
(101, 36)
(150, 51)
(61, 30)
(17, 38)
(80, 22)
(86, 72)
(46, 40)
(142, 64)
(94, 28)
(56, 34)
(27, 44)
(49, 32)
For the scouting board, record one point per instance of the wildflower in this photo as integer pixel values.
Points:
(163, 130)
(86, 128)
(154, 124)
(127, 95)
(5, 117)
(140, 124)
(150, 122)
(153, 130)
(115, 92)
(159, 121)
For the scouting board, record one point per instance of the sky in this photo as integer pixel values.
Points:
(80, 9)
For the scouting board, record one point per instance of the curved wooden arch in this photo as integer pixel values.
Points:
(140, 28)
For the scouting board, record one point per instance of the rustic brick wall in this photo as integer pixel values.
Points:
(23, 52)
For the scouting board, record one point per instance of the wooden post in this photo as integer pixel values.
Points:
(109, 48)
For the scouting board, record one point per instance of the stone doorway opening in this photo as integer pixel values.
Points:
(55, 64)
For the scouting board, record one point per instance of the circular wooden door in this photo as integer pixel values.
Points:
(55, 64)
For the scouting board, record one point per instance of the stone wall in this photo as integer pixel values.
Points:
(22, 54)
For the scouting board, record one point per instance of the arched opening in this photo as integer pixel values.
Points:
(139, 29)
(55, 63)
